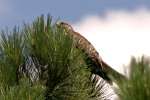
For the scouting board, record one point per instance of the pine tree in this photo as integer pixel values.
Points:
(39, 62)
(137, 87)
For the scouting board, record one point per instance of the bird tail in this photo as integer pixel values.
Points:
(112, 74)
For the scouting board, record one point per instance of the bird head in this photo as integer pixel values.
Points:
(65, 25)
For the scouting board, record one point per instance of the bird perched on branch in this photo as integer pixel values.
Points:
(99, 67)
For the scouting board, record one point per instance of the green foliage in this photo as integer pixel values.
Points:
(23, 91)
(137, 87)
(11, 48)
(64, 75)
(68, 77)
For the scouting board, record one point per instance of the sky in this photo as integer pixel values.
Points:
(118, 29)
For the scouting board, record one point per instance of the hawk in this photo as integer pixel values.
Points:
(100, 67)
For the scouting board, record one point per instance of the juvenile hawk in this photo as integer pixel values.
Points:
(99, 66)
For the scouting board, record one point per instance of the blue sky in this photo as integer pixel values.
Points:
(14, 12)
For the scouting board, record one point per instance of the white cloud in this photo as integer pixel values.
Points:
(118, 36)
